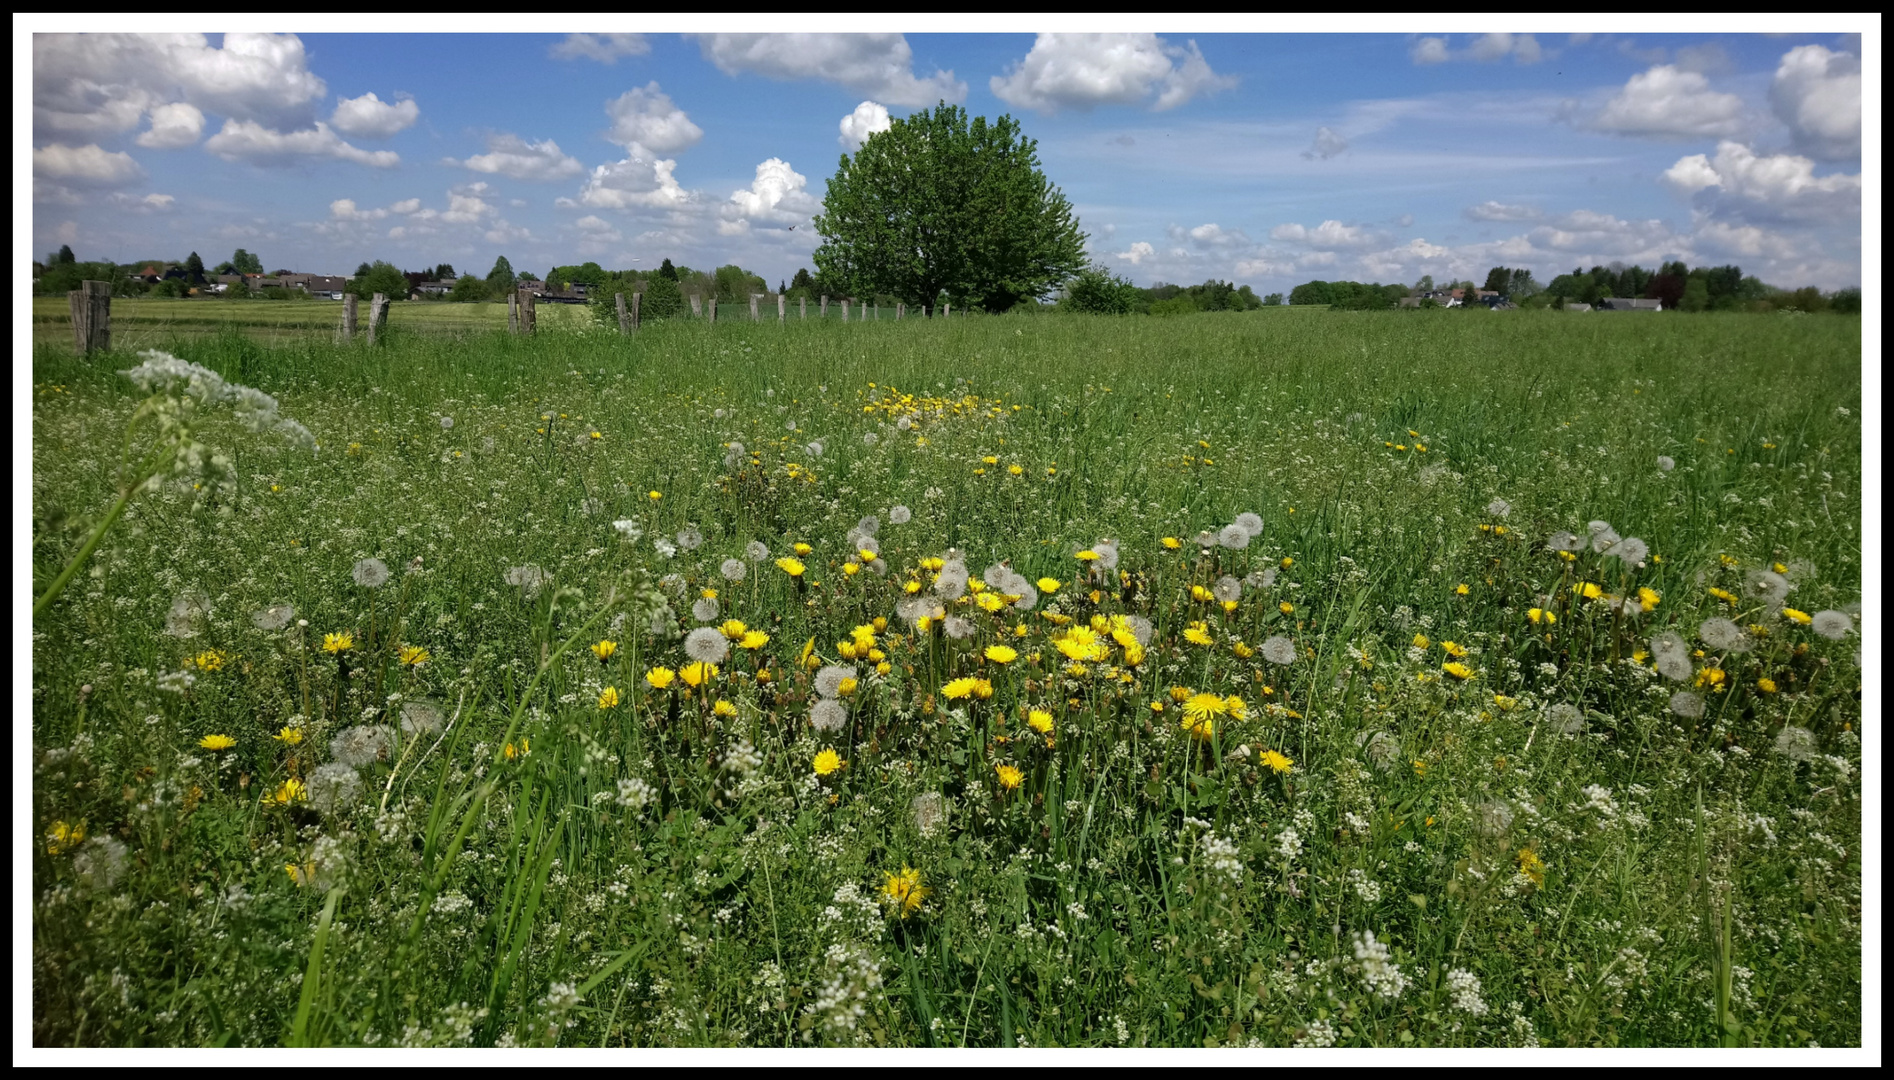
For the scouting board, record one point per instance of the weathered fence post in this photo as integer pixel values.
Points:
(926, 312)
(845, 309)
(624, 316)
(377, 315)
(710, 302)
(91, 305)
(754, 297)
(529, 313)
(512, 313)
(900, 310)
(877, 311)
(824, 312)
(349, 300)
(782, 308)
(697, 306)
(946, 310)
(805, 308)
(635, 297)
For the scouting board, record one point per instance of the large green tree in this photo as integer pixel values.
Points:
(940, 205)
(246, 263)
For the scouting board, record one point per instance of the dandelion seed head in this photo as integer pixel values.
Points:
(1563, 541)
(930, 812)
(274, 617)
(1723, 635)
(333, 788)
(1674, 666)
(1666, 463)
(900, 515)
(370, 573)
(672, 585)
(996, 576)
(706, 644)
(1797, 744)
(871, 439)
(689, 538)
(1687, 705)
(1603, 539)
(1767, 586)
(815, 449)
(958, 628)
(447, 422)
(705, 609)
(828, 714)
(733, 569)
(1227, 589)
(420, 717)
(755, 551)
(1279, 650)
(1629, 550)
(1494, 817)
(1565, 719)
(1831, 624)
(1250, 523)
(100, 863)
(529, 579)
(828, 679)
(1234, 537)
(1261, 579)
(363, 745)
(188, 612)
(1499, 508)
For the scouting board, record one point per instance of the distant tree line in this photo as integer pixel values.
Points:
(1677, 286)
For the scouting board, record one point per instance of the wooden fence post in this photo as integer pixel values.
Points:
(91, 305)
(900, 309)
(946, 310)
(624, 317)
(697, 306)
(754, 297)
(635, 297)
(529, 314)
(710, 302)
(805, 307)
(377, 315)
(513, 313)
(824, 312)
(349, 301)
(782, 308)
(845, 309)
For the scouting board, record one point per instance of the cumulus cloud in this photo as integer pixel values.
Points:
(1601, 236)
(173, 126)
(778, 197)
(1667, 101)
(246, 140)
(104, 83)
(1215, 236)
(604, 48)
(1498, 211)
(868, 118)
(642, 181)
(878, 65)
(647, 117)
(346, 210)
(1782, 186)
(369, 117)
(153, 203)
(1082, 71)
(1328, 143)
(1329, 235)
(85, 166)
(1136, 253)
(511, 156)
(1523, 48)
(1818, 94)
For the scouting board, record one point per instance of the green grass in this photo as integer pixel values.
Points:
(656, 873)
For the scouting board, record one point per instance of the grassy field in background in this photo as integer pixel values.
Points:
(1060, 749)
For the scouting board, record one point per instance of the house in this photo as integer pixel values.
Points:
(1569, 306)
(418, 290)
(1621, 303)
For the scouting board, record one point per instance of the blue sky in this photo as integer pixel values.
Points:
(1267, 159)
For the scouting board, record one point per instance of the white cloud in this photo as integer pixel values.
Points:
(868, 119)
(1215, 236)
(1497, 211)
(85, 166)
(647, 116)
(153, 203)
(1430, 50)
(369, 117)
(405, 206)
(878, 65)
(1328, 235)
(1776, 186)
(778, 196)
(1669, 101)
(1137, 253)
(1328, 143)
(604, 48)
(245, 140)
(1818, 94)
(1523, 48)
(1601, 237)
(103, 83)
(173, 126)
(505, 232)
(346, 210)
(1081, 71)
(640, 181)
(511, 156)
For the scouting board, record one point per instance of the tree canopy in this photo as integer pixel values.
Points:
(940, 205)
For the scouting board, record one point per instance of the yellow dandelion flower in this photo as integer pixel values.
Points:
(753, 639)
(289, 736)
(1201, 594)
(724, 708)
(338, 642)
(903, 892)
(1286, 608)
(1531, 866)
(655, 494)
(1001, 654)
(1506, 704)
(1801, 617)
(660, 678)
(1276, 762)
(1766, 684)
(604, 650)
(62, 836)
(827, 762)
(1420, 767)
(1039, 720)
(216, 742)
(289, 791)
(1711, 678)
(1198, 633)
(514, 753)
(1420, 641)
(697, 674)
(1049, 584)
(851, 569)
(733, 629)
(1648, 599)
(1458, 670)
(209, 660)
(1088, 555)
(1541, 615)
(1460, 590)
(1453, 649)
(802, 549)
(1009, 776)
(608, 698)
(1172, 543)
(790, 566)
(960, 688)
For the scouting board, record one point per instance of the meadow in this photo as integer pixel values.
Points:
(1286, 678)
